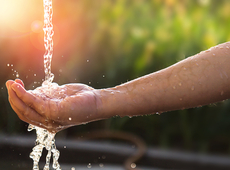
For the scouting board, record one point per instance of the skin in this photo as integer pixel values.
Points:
(198, 80)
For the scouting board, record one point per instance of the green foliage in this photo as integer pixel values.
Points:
(106, 42)
(134, 38)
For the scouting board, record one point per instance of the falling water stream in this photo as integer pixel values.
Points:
(45, 139)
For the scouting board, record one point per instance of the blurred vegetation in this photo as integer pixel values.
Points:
(105, 43)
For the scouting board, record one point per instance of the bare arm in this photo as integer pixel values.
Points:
(198, 80)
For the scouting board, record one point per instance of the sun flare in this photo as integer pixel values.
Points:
(19, 14)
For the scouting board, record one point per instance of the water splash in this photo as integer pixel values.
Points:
(45, 139)
(48, 40)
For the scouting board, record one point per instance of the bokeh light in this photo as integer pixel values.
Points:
(106, 42)
(36, 26)
(18, 14)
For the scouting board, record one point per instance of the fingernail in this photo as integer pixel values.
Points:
(13, 86)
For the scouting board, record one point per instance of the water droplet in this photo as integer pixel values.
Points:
(174, 87)
(64, 146)
(8, 65)
(35, 75)
(227, 47)
(213, 54)
(103, 75)
(30, 127)
(17, 75)
(133, 165)
(221, 47)
(70, 118)
(192, 88)
(179, 84)
(197, 64)
(101, 165)
(87, 61)
(11, 65)
(72, 168)
(89, 82)
(185, 68)
(89, 166)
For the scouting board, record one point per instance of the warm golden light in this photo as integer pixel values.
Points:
(37, 35)
(37, 26)
(19, 14)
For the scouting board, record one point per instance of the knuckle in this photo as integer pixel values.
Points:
(26, 112)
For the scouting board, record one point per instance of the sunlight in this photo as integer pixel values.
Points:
(37, 26)
(19, 14)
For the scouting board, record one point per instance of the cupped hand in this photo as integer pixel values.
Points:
(54, 107)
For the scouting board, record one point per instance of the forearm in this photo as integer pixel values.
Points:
(195, 81)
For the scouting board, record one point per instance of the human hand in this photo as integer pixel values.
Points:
(54, 107)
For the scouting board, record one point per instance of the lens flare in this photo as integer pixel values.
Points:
(19, 14)
(36, 26)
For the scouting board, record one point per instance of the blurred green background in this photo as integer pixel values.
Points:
(104, 43)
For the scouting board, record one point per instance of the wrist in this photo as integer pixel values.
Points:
(112, 102)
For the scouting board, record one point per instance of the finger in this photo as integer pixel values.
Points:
(14, 100)
(23, 118)
(28, 98)
(28, 115)
(20, 82)
(9, 83)
(21, 107)
(37, 120)
(20, 115)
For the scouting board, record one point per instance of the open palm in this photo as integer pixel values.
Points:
(53, 107)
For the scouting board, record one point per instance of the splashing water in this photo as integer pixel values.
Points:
(48, 41)
(45, 139)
